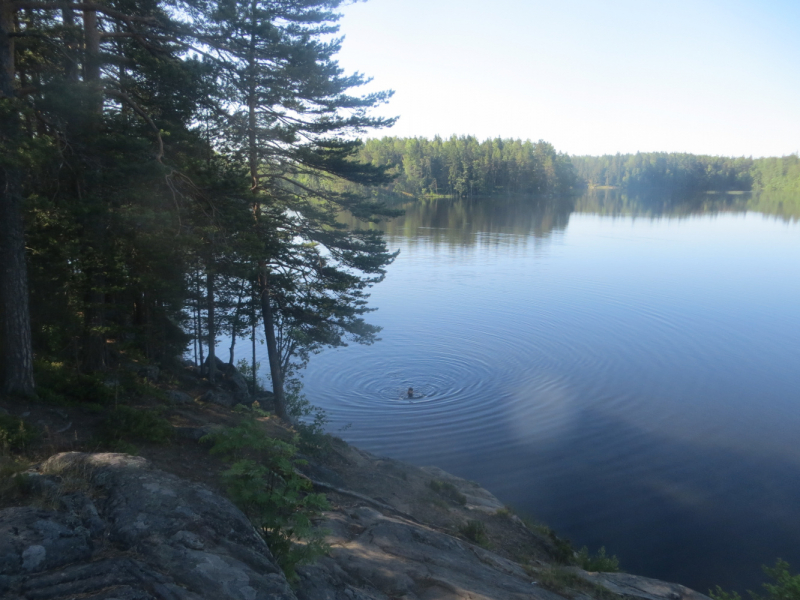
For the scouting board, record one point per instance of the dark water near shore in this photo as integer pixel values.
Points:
(627, 371)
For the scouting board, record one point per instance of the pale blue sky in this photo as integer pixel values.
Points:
(591, 77)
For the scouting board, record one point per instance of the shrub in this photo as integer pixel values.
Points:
(263, 482)
(599, 562)
(311, 420)
(786, 586)
(131, 384)
(562, 549)
(59, 384)
(125, 423)
(15, 434)
(475, 531)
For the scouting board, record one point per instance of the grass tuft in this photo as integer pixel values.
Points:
(566, 582)
(475, 531)
(448, 491)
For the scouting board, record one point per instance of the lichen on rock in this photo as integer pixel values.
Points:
(135, 532)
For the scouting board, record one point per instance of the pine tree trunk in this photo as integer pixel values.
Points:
(18, 350)
(16, 326)
(199, 318)
(94, 319)
(235, 325)
(212, 334)
(253, 340)
(91, 67)
(272, 345)
(70, 58)
(263, 276)
(7, 68)
(196, 329)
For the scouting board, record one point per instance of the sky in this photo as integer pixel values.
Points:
(589, 76)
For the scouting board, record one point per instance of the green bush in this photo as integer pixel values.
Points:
(131, 384)
(15, 434)
(312, 438)
(263, 482)
(58, 384)
(786, 586)
(562, 549)
(125, 423)
(475, 531)
(599, 562)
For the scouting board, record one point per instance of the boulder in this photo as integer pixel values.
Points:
(34, 540)
(188, 376)
(132, 533)
(150, 372)
(236, 382)
(220, 366)
(228, 376)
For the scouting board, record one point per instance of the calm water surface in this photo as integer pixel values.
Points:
(632, 379)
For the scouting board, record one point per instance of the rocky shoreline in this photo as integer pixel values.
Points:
(113, 526)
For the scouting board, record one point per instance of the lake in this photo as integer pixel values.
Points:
(625, 370)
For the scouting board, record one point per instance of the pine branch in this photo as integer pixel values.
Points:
(141, 112)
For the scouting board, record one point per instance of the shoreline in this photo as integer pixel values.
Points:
(394, 530)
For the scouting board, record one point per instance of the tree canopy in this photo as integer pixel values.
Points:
(463, 166)
(168, 173)
(682, 173)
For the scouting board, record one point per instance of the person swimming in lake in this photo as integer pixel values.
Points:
(410, 392)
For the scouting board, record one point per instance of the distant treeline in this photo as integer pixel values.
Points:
(464, 166)
(777, 174)
(689, 172)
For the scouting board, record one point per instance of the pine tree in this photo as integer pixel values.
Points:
(283, 106)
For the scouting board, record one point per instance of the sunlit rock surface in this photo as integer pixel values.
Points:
(110, 526)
